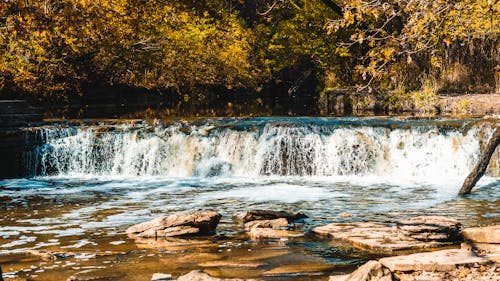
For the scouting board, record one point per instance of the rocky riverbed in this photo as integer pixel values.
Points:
(189, 248)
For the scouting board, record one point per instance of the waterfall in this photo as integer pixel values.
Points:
(271, 148)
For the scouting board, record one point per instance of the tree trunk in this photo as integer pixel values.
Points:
(481, 166)
(1, 278)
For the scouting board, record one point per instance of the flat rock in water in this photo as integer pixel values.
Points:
(274, 224)
(200, 223)
(431, 228)
(197, 275)
(263, 233)
(375, 237)
(444, 260)
(254, 215)
(486, 234)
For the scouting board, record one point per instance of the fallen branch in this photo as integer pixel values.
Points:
(482, 164)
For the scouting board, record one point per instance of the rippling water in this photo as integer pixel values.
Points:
(93, 182)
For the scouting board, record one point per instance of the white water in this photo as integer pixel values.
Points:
(274, 149)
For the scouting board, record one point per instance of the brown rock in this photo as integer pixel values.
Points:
(201, 223)
(444, 260)
(253, 215)
(274, 224)
(486, 234)
(431, 228)
(262, 233)
(375, 237)
(169, 232)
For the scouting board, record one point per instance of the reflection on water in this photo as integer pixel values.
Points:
(83, 213)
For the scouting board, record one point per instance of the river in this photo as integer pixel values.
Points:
(89, 183)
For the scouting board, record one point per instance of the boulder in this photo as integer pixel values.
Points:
(431, 228)
(441, 261)
(274, 224)
(486, 234)
(200, 223)
(254, 215)
(374, 237)
(161, 277)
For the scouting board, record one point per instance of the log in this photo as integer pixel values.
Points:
(478, 170)
(1, 274)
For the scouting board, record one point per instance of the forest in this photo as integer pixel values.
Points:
(397, 52)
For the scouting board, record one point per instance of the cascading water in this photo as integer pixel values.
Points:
(266, 149)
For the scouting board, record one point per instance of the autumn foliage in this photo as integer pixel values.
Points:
(59, 48)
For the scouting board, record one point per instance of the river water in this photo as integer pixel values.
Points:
(89, 183)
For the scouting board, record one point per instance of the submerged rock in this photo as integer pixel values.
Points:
(200, 223)
(444, 260)
(274, 224)
(431, 228)
(263, 233)
(374, 237)
(253, 215)
(486, 234)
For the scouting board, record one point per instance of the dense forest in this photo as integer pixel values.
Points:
(268, 51)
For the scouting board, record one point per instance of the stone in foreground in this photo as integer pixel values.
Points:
(375, 237)
(487, 234)
(431, 228)
(444, 260)
(195, 223)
